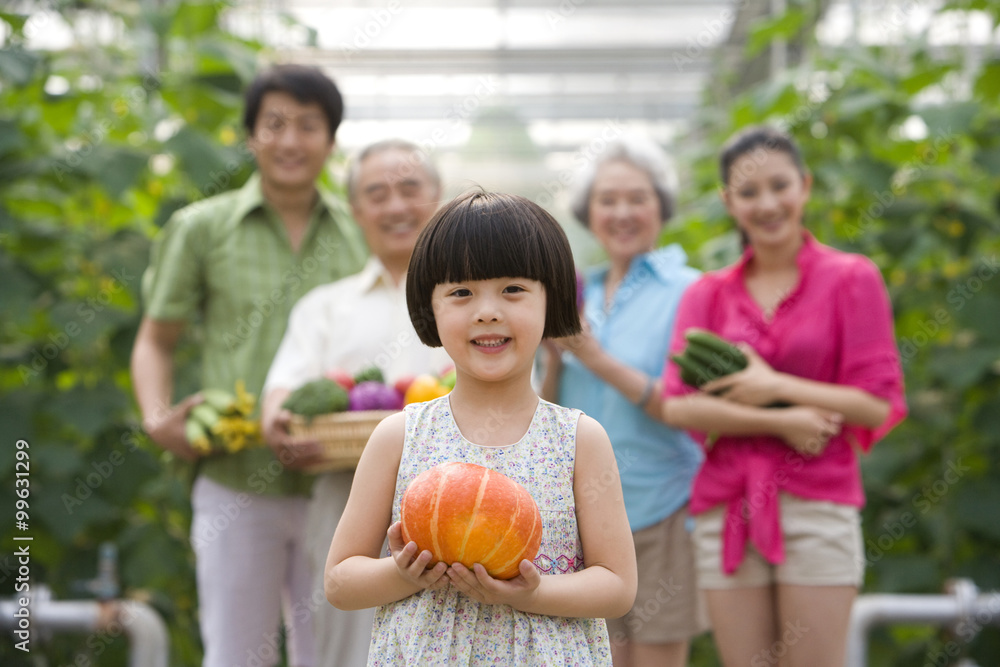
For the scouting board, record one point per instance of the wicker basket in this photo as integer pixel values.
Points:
(342, 434)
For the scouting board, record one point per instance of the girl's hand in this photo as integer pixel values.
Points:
(413, 566)
(757, 384)
(518, 592)
(808, 430)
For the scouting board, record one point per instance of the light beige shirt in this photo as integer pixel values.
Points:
(354, 323)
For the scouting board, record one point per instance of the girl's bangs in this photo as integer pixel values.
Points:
(494, 245)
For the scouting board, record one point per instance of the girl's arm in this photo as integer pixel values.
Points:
(606, 587)
(356, 576)
(761, 385)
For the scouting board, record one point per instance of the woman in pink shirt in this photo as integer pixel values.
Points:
(777, 528)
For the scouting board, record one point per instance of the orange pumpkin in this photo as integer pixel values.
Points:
(465, 513)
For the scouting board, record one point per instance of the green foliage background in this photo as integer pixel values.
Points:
(97, 148)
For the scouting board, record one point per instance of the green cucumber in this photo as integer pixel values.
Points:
(714, 344)
(692, 373)
(716, 365)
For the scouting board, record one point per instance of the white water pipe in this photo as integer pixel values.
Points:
(962, 607)
(145, 630)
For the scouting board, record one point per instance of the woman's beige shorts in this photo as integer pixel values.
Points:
(668, 607)
(823, 547)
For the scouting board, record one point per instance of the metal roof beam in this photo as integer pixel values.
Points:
(665, 60)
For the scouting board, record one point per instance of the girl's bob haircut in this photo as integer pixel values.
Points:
(485, 235)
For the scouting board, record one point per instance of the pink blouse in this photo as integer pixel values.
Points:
(835, 326)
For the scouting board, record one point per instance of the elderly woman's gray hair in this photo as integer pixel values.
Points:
(640, 153)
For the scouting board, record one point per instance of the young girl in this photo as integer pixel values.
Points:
(777, 533)
(491, 275)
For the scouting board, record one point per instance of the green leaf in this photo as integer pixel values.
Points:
(877, 176)
(20, 289)
(88, 409)
(769, 29)
(15, 21)
(71, 508)
(987, 420)
(777, 98)
(11, 137)
(16, 419)
(886, 463)
(157, 18)
(907, 573)
(859, 103)
(18, 65)
(228, 56)
(949, 120)
(976, 505)
(56, 460)
(123, 256)
(989, 7)
(925, 77)
(980, 306)
(987, 86)
(199, 155)
(897, 241)
(117, 169)
(81, 323)
(152, 557)
(989, 159)
(195, 18)
(961, 369)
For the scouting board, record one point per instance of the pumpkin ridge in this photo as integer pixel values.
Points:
(536, 527)
(503, 540)
(475, 513)
(435, 505)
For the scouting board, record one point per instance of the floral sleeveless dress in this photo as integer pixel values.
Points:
(446, 627)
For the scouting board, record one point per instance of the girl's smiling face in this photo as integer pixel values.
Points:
(490, 328)
(766, 196)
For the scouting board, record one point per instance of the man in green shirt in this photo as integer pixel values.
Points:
(237, 262)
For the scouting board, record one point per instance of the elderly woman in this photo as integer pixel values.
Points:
(611, 372)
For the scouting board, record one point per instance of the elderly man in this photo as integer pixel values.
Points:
(357, 322)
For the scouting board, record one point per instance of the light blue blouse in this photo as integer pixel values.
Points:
(656, 462)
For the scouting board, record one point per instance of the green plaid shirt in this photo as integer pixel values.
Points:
(227, 262)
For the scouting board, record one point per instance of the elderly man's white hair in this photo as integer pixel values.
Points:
(418, 159)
